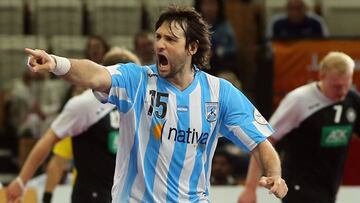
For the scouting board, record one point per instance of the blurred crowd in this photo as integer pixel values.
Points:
(32, 101)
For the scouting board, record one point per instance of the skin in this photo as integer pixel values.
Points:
(220, 170)
(170, 42)
(96, 50)
(174, 65)
(55, 171)
(209, 9)
(296, 10)
(144, 48)
(36, 157)
(333, 85)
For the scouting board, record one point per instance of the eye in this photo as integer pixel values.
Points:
(171, 39)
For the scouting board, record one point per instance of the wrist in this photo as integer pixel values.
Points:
(251, 186)
(62, 65)
(20, 182)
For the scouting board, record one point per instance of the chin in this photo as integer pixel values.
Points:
(162, 73)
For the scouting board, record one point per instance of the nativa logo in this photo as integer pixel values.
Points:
(189, 136)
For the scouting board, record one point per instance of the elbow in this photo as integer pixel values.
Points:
(94, 84)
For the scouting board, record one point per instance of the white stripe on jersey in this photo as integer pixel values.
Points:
(214, 84)
(122, 158)
(242, 136)
(264, 129)
(174, 164)
(120, 93)
(164, 155)
(195, 122)
(138, 187)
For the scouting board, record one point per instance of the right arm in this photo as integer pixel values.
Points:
(284, 119)
(32, 163)
(248, 195)
(81, 72)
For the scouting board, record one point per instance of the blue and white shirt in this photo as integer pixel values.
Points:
(168, 137)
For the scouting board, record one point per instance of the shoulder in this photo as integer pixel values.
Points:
(297, 95)
(218, 83)
(354, 94)
(81, 103)
(125, 68)
(315, 18)
(278, 19)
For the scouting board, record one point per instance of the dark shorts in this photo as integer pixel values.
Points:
(90, 196)
(307, 194)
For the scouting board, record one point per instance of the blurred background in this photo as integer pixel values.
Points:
(252, 48)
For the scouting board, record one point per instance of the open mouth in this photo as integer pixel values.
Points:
(163, 61)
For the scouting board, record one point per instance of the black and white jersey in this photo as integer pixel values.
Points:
(316, 134)
(94, 128)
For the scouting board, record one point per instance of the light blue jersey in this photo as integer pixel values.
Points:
(168, 137)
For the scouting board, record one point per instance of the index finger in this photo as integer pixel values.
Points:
(32, 52)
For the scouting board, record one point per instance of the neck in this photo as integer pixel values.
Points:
(183, 79)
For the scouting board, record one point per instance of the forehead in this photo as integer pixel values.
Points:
(335, 76)
(295, 4)
(172, 29)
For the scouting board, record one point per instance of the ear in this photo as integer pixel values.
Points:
(321, 75)
(193, 47)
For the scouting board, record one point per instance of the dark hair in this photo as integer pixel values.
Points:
(196, 30)
(220, 12)
(98, 38)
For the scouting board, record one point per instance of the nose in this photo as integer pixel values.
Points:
(159, 44)
(342, 91)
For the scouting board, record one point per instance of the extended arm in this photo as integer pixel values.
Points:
(81, 72)
(32, 163)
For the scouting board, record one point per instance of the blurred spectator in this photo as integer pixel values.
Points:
(118, 55)
(297, 23)
(144, 47)
(231, 77)
(223, 49)
(22, 106)
(50, 92)
(96, 48)
(222, 169)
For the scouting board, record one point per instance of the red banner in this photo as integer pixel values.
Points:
(296, 62)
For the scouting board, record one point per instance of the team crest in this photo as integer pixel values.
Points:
(211, 111)
(259, 118)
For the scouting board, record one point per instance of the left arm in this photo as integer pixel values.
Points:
(33, 161)
(268, 160)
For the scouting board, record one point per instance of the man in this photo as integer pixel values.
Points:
(171, 114)
(316, 121)
(94, 127)
(144, 47)
(297, 23)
